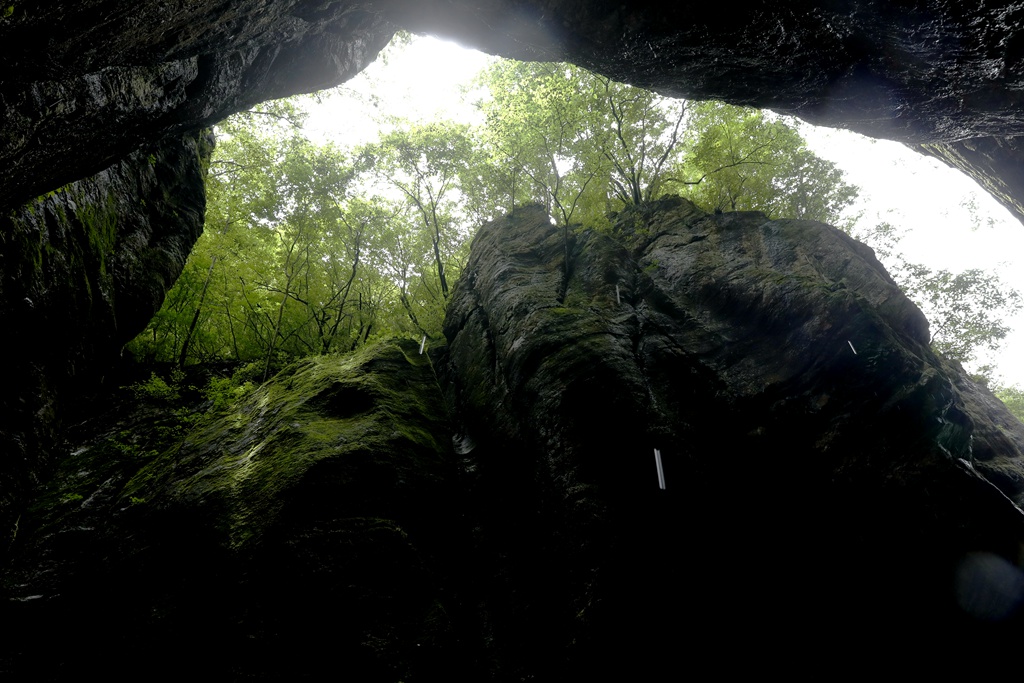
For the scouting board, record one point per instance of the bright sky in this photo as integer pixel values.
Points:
(928, 201)
(921, 196)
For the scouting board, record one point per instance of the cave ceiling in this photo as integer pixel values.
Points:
(83, 84)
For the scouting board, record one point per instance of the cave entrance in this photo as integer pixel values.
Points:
(405, 130)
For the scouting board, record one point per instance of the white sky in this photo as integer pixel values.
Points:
(927, 200)
(921, 196)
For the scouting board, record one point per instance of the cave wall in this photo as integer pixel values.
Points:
(945, 77)
(82, 270)
(103, 104)
(86, 83)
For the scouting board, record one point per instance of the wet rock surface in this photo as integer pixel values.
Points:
(825, 471)
(87, 84)
(315, 524)
(820, 461)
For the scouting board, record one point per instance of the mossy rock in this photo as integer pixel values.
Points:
(370, 423)
(316, 520)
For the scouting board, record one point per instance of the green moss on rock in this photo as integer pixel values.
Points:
(321, 512)
(375, 415)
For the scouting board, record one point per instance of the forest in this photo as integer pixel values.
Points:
(315, 248)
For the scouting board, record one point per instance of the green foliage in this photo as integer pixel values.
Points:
(155, 388)
(740, 159)
(967, 311)
(584, 145)
(422, 247)
(279, 270)
(576, 142)
(311, 249)
(223, 392)
(536, 133)
(1013, 398)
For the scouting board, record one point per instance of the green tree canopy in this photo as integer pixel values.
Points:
(584, 145)
(740, 159)
(541, 138)
(278, 270)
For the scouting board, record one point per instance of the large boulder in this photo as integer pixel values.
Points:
(314, 525)
(822, 467)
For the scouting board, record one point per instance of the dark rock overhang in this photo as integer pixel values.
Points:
(83, 84)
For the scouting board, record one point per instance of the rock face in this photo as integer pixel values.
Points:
(789, 387)
(820, 461)
(82, 270)
(491, 510)
(86, 84)
(316, 525)
(89, 96)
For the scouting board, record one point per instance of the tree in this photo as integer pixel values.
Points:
(584, 145)
(279, 270)
(428, 170)
(1013, 399)
(740, 159)
(310, 249)
(426, 164)
(967, 311)
(639, 137)
(542, 132)
(240, 191)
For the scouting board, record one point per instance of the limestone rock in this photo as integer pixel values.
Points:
(82, 271)
(820, 461)
(88, 83)
(92, 85)
(817, 440)
(85, 84)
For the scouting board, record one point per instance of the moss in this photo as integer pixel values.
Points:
(100, 224)
(563, 310)
(374, 416)
(204, 148)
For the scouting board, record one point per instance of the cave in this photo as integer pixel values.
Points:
(110, 102)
